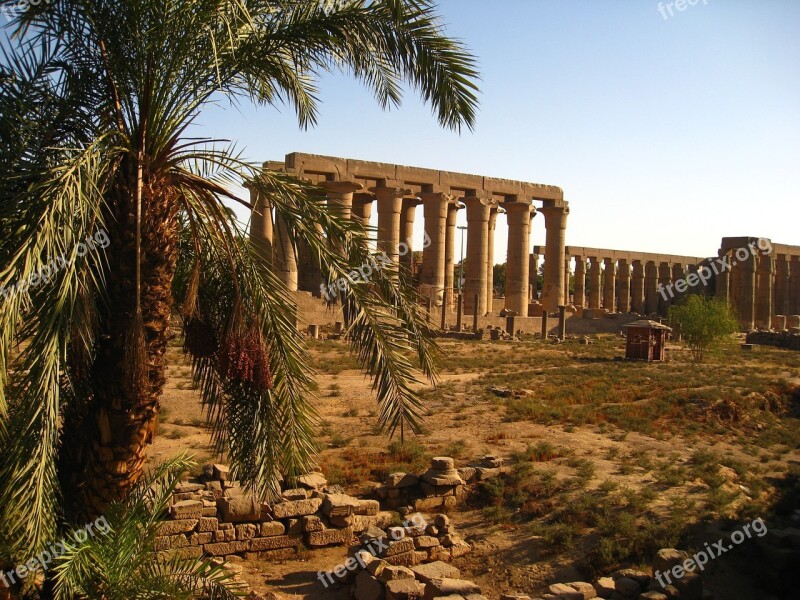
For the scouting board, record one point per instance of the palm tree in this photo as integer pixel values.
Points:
(95, 102)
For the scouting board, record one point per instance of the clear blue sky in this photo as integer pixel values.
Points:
(665, 134)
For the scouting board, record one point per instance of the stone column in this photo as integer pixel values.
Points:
(285, 256)
(624, 274)
(595, 282)
(610, 287)
(533, 276)
(651, 287)
(518, 256)
(478, 212)
(490, 260)
(340, 196)
(555, 219)
(261, 231)
(362, 207)
(766, 271)
(677, 274)
(637, 288)
(747, 304)
(567, 273)
(432, 277)
(580, 281)
(450, 249)
(782, 283)
(664, 279)
(794, 285)
(722, 289)
(390, 202)
(408, 212)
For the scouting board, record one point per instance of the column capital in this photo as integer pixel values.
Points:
(427, 197)
(341, 187)
(390, 190)
(479, 208)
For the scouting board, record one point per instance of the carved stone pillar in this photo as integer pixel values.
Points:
(637, 288)
(478, 212)
(555, 218)
(450, 250)
(390, 202)
(432, 277)
(766, 272)
(580, 281)
(285, 256)
(595, 282)
(533, 276)
(651, 287)
(408, 212)
(664, 280)
(340, 196)
(518, 256)
(610, 286)
(782, 284)
(261, 227)
(624, 275)
(490, 259)
(362, 207)
(747, 303)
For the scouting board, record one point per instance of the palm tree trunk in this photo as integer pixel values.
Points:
(105, 443)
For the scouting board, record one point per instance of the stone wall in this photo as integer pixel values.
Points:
(781, 339)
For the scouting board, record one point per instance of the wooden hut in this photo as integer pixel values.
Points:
(646, 340)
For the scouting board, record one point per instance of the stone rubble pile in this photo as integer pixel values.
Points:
(441, 487)
(408, 562)
(218, 518)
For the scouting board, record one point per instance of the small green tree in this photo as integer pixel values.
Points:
(704, 321)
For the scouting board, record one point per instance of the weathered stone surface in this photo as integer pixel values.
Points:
(239, 509)
(392, 572)
(442, 463)
(587, 589)
(406, 559)
(187, 552)
(561, 590)
(653, 595)
(199, 539)
(442, 587)
(175, 527)
(273, 543)
(427, 504)
(339, 505)
(425, 541)
(404, 589)
(604, 587)
(295, 494)
(170, 542)
(296, 508)
(640, 577)
(329, 537)
(312, 523)
(246, 531)
(666, 558)
(207, 524)
(272, 528)
(221, 472)
(184, 487)
(460, 548)
(186, 509)
(367, 508)
(368, 587)
(690, 586)
(484, 473)
(225, 548)
(339, 521)
(627, 586)
(312, 481)
(436, 477)
(467, 473)
(436, 570)
(396, 533)
(398, 547)
(401, 480)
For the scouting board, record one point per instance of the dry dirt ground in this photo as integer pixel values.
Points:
(682, 449)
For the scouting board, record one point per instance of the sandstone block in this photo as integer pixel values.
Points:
(460, 549)
(368, 587)
(436, 570)
(186, 509)
(221, 472)
(442, 463)
(405, 559)
(296, 508)
(294, 527)
(401, 480)
(427, 504)
(640, 577)
(295, 494)
(312, 523)
(207, 524)
(367, 508)
(399, 547)
(425, 541)
(443, 587)
(604, 587)
(329, 537)
(273, 543)
(404, 589)
(186, 487)
(175, 527)
(561, 590)
(467, 473)
(170, 542)
(666, 558)
(586, 589)
(339, 505)
(187, 552)
(239, 509)
(338, 521)
(200, 539)
(246, 531)
(653, 595)
(391, 573)
(312, 481)
(225, 548)
(271, 528)
(627, 586)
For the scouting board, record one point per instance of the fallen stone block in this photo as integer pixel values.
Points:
(399, 547)
(339, 505)
(666, 558)
(445, 586)
(401, 480)
(404, 589)
(296, 508)
(425, 541)
(221, 472)
(392, 572)
(436, 570)
(367, 508)
(604, 587)
(406, 559)
(585, 589)
(627, 586)
(225, 548)
(368, 587)
(312, 481)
